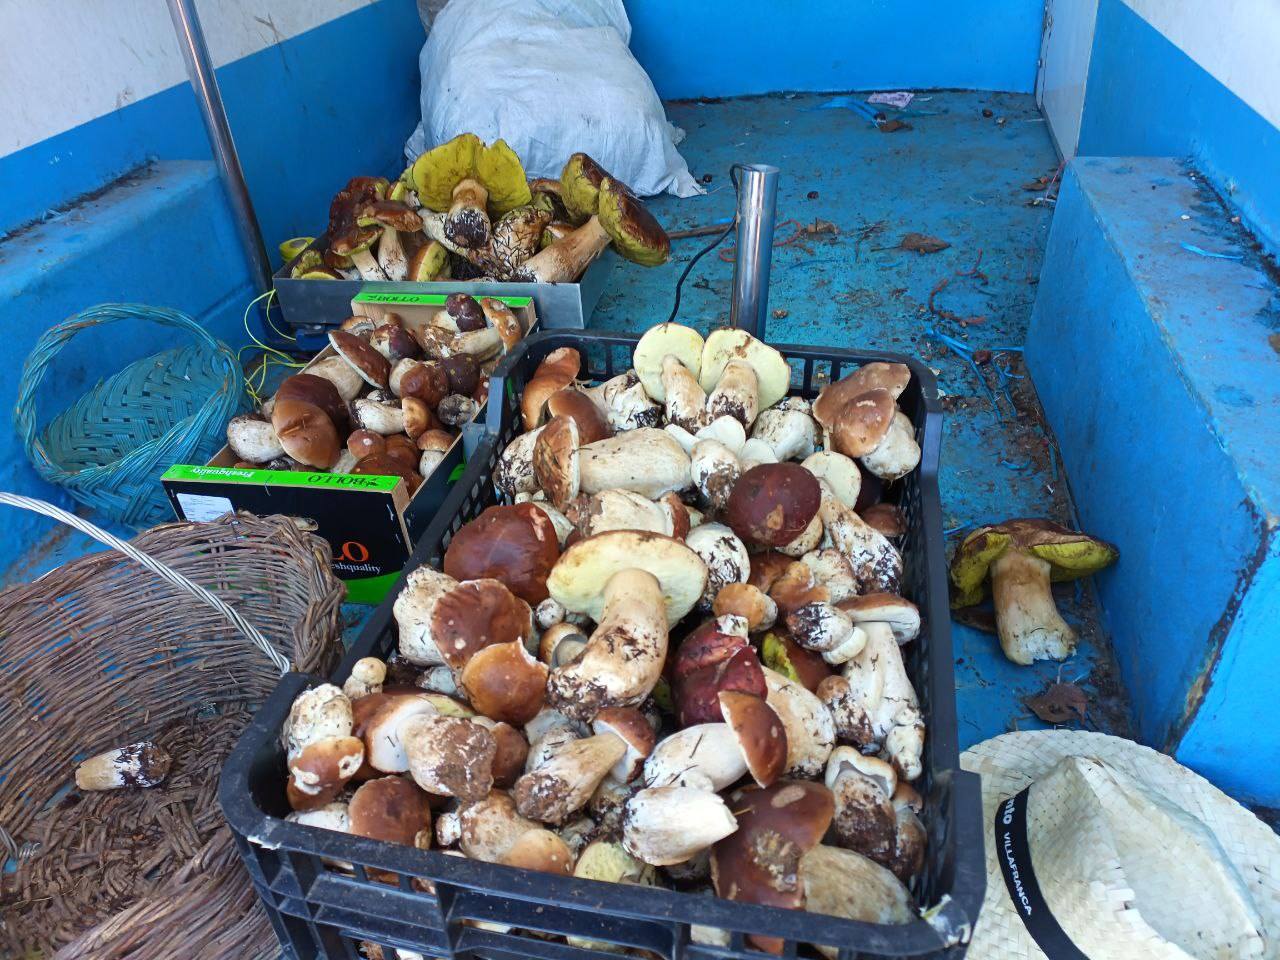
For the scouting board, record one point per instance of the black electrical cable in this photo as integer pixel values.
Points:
(733, 223)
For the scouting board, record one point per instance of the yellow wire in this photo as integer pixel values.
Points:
(255, 382)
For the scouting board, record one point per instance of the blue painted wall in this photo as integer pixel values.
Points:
(304, 122)
(1155, 372)
(1146, 97)
(724, 48)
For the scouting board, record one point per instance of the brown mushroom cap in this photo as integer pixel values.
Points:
(862, 423)
(886, 518)
(760, 861)
(578, 407)
(400, 447)
(366, 361)
(463, 371)
(428, 381)
(515, 544)
(306, 433)
(902, 616)
(450, 756)
(558, 369)
(766, 567)
(773, 503)
(476, 614)
(390, 213)
(893, 377)
(318, 392)
(465, 311)
(634, 729)
(711, 659)
(505, 683)
(385, 465)
(555, 460)
(760, 734)
(392, 809)
(320, 771)
(361, 443)
(512, 752)
(395, 343)
(743, 600)
(540, 850)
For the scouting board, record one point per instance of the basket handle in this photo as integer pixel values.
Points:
(155, 566)
(52, 341)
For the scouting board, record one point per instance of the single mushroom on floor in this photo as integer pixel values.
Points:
(1024, 557)
(634, 585)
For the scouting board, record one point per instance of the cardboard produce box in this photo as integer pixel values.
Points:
(370, 522)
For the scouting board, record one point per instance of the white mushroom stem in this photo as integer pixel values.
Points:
(714, 469)
(562, 785)
(666, 825)
(727, 430)
(876, 563)
(382, 418)
(624, 656)
(366, 265)
(898, 453)
(565, 260)
(755, 452)
(736, 394)
(685, 401)
(414, 609)
(514, 473)
(874, 704)
(341, 374)
(827, 629)
(391, 256)
(790, 433)
(624, 403)
(1027, 619)
(705, 756)
(644, 461)
(141, 764)
(254, 439)
(831, 569)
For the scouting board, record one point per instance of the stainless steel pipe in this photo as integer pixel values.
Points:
(757, 213)
(186, 24)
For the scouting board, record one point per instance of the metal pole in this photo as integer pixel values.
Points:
(186, 23)
(757, 211)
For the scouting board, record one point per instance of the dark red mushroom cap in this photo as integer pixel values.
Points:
(515, 544)
(709, 661)
(773, 503)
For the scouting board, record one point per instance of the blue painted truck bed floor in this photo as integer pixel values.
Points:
(959, 176)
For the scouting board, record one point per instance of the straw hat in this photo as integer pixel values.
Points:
(1125, 855)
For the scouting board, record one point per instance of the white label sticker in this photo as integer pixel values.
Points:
(199, 508)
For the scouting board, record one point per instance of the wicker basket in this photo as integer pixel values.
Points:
(100, 653)
(109, 448)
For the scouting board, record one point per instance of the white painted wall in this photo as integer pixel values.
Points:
(1235, 41)
(69, 62)
(1064, 68)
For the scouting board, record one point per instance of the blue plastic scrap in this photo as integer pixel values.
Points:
(1191, 247)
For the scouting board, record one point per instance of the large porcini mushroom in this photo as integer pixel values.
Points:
(253, 439)
(741, 375)
(788, 429)
(634, 585)
(464, 179)
(372, 366)
(393, 810)
(625, 403)
(760, 861)
(644, 461)
(613, 215)
(712, 756)
(871, 428)
(662, 826)
(563, 783)
(450, 756)
(875, 815)
(516, 544)
(1023, 558)
(776, 505)
(876, 563)
(716, 657)
(492, 830)
(874, 705)
(306, 433)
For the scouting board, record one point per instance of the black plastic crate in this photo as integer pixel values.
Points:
(322, 912)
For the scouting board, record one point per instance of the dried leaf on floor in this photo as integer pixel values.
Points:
(1059, 703)
(922, 243)
(893, 126)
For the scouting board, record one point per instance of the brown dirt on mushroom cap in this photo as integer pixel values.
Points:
(773, 503)
(514, 544)
(474, 615)
(869, 829)
(457, 755)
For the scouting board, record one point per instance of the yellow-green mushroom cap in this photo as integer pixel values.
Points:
(634, 231)
(580, 182)
(495, 167)
(1070, 554)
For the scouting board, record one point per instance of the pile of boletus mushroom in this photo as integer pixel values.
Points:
(389, 400)
(465, 211)
(671, 656)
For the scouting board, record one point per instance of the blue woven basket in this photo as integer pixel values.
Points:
(110, 447)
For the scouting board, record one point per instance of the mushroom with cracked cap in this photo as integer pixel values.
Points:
(1023, 558)
(634, 585)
